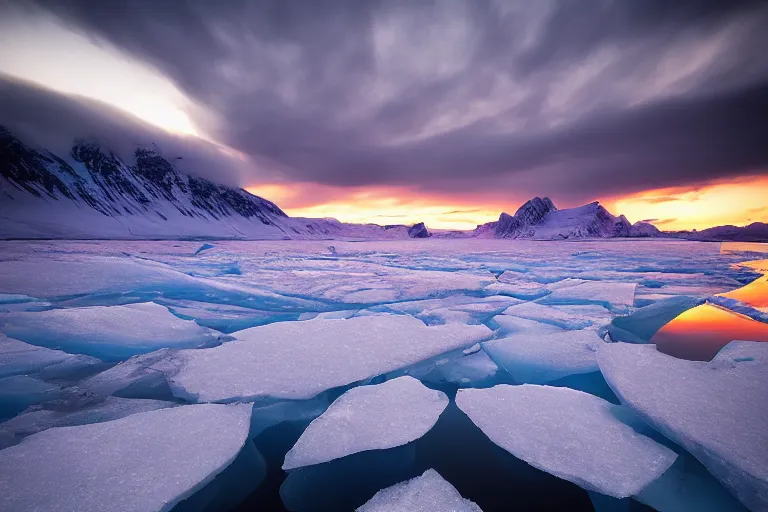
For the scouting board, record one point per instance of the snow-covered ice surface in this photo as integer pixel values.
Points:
(298, 360)
(542, 358)
(571, 434)
(369, 418)
(717, 410)
(100, 332)
(108, 332)
(144, 462)
(19, 358)
(426, 493)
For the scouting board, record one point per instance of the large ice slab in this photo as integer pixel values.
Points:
(144, 462)
(297, 360)
(426, 493)
(570, 434)
(716, 410)
(612, 294)
(17, 357)
(542, 358)
(108, 332)
(565, 316)
(369, 418)
(59, 415)
(642, 324)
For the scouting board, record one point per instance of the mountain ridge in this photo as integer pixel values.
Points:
(93, 193)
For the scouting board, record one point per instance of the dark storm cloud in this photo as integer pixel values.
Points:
(41, 117)
(571, 99)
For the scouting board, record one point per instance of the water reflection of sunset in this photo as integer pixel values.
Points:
(755, 293)
(699, 333)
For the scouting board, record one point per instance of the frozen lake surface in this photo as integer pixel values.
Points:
(119, 342)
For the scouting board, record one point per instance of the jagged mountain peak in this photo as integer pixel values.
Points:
(92, 192)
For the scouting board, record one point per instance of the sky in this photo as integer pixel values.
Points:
(392, 112)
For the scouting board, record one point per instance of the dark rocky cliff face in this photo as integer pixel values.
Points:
(114, 188)
(418, 231)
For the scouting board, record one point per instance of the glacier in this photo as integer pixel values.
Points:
(352, 363)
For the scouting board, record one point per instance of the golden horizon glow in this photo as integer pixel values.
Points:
(740, 202)
(378, 206)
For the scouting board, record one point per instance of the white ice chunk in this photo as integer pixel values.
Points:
(570, 434)
(298, 360)
(107, 332)
(509, 324)
(564, 316)
(145, 462)
(369, 418)
(642, 324)
(608, 293)
(716, 410)
(426, 493)
(112, 408)
(542, 358)
(475, 367)
(17, 357)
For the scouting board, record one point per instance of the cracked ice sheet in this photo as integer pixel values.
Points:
(34, 421)
(716, 410)
(542, 358)
(616, 295)
(17, 357)
(369, 418)
(159, 458)
(108, 332)
(570, 434)
(566, 317)
(426, 493)
(458, 308)
(298, 360)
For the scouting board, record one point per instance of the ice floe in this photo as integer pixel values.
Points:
(542, 358)
(108, 332)
(716, 410)
(570, 434)
(144, 462)
(369, 418)
(59, 415)
(614, 295)
(298, 360)
(426, 493)
(17, 358)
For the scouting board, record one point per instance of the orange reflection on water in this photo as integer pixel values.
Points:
(699, 333)
(755, 293)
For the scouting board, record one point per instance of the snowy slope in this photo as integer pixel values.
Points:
(92, 193)
(539, 219)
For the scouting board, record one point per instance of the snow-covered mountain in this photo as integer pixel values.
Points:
(539, 219)
(92, 193)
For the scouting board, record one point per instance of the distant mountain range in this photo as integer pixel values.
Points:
(91, 193)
